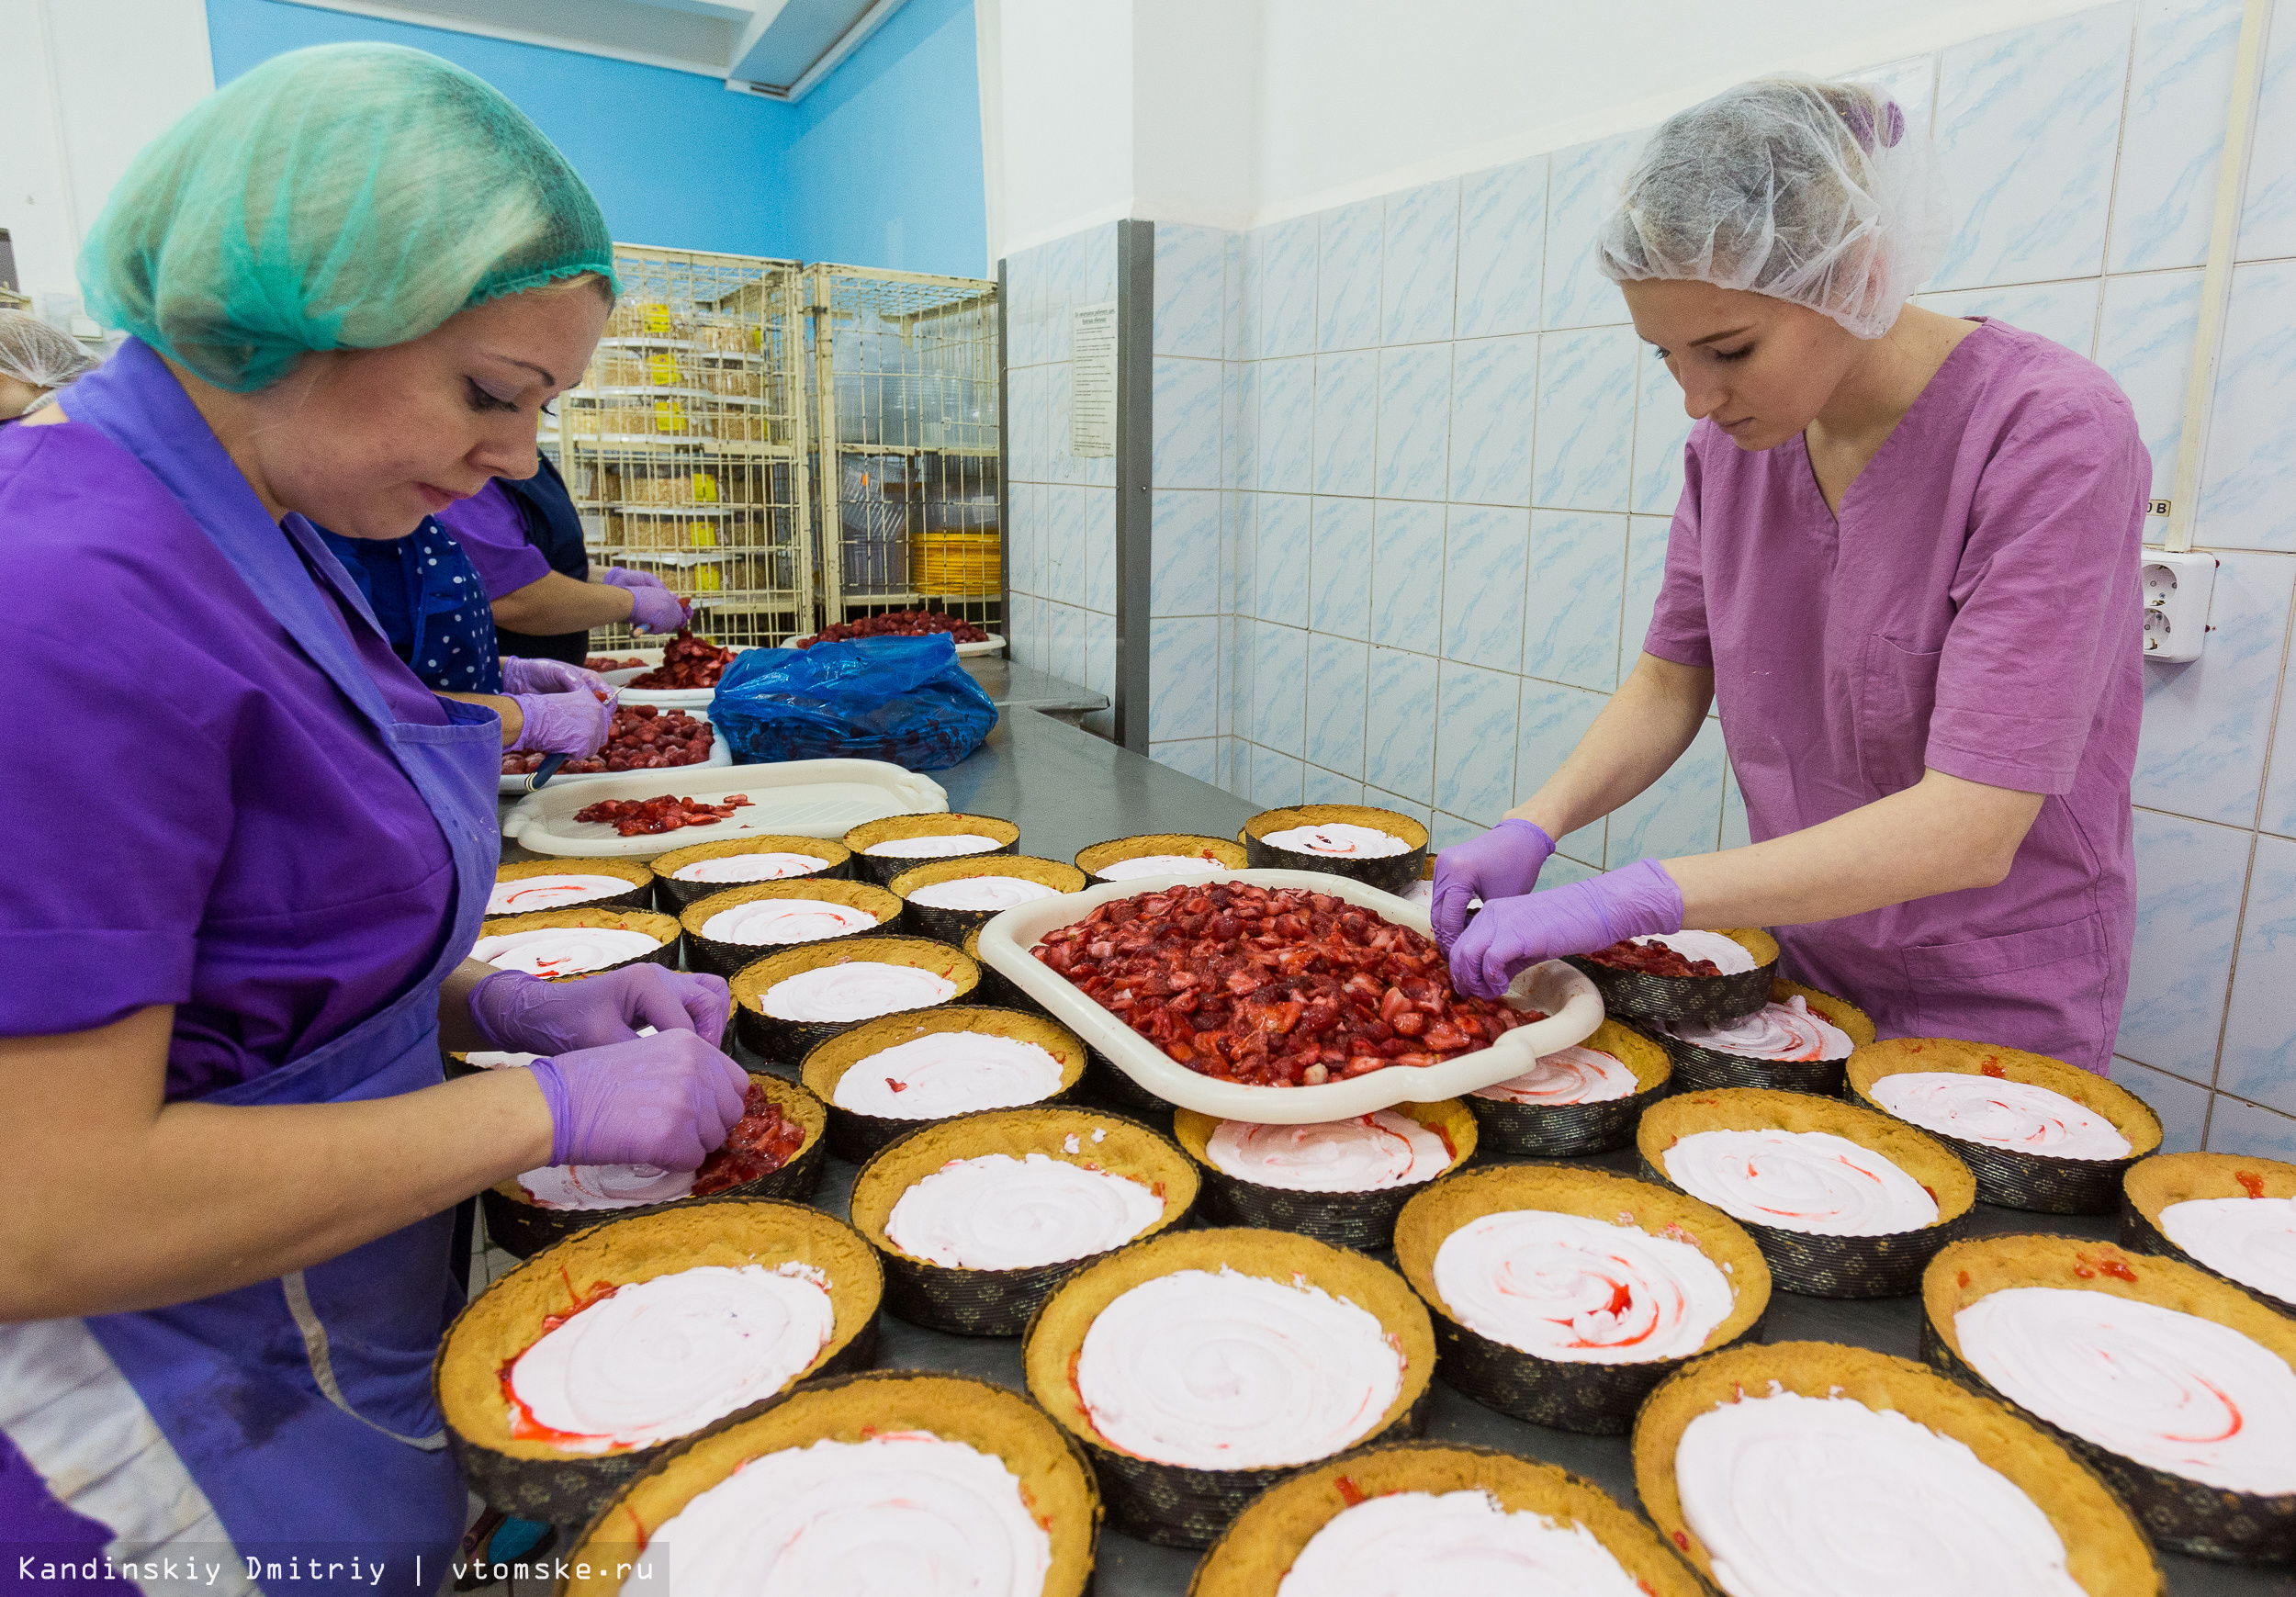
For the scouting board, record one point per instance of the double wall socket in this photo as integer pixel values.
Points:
(2177, 589)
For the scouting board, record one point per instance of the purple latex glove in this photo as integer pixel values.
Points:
(525, 676)
(575, 723)
(1502, 863)
(1511, 934)
(622, 577)
(653, 608)
(665, 1101)
(521, 1014)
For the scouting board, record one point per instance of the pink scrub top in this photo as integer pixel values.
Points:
(1974, 610)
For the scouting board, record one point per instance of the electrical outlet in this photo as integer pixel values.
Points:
(2178, 586)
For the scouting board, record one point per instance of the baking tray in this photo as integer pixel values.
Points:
(1572, 1009)
(797, 798)
(721, 754)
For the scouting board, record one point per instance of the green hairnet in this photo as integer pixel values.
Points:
(349, 196)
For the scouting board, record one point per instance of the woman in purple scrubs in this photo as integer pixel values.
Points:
(253, 850)
(1904, 573)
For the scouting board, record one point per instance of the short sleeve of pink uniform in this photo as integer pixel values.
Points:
(1678, 622)
(2039, 617)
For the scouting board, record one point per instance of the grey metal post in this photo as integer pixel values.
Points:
(1004, 450)
(1135, 459)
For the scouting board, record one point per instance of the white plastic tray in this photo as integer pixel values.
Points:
(992, 644)
(663, 698)
(802, 798)
(1574, 1010)
(721, 754)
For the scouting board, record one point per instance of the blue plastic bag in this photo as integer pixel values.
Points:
(900, 699)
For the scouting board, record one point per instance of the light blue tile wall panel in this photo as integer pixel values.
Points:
(1287, 306)
(1063, 291)
(2144, 338)
(1060, 463)
(2065, 312)
(2183, 1107)
(1280, 568)
(1196, 758)
(1339, 576)
(1329, 787)
(1419, 263)
(1233, 330)
(2268, 212)
(1064, 579)
(1241, 468)
(1100, 549)
(1486, 554)
(1065, 627)
(1414, 425)
(1494, 398)
(2248, 484)
(2260, 1059)
(1421, 812)
(2188, 876)
(1571, 609)
(1399, 733)
(1407, 576)
(1475, 741)
(1502, 241)
(1191, 291)
(1347, 276)
(1562, 870)
(1243, 545)
(1662, 429)
(1586, 397)
(1583, 182)
(1276, 779)
(1338, 679)
(2238, 1128)
(2206, 721)
(1553, 720)
(1251, 296)
(2050, 95)
(1287, 425)
(1678, 814)
(1186, 544)
(1184, 678)
(1227, 644)
(1188, 423)
(2279, 813)
(1347, 407)
(1450, 830)
(1024, 307)
(1646, 569)
(1280, 685)
(2173, 133)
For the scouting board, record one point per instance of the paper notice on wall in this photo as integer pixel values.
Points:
(1092, 380)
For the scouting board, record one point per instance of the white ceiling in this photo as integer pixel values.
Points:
(777, 47)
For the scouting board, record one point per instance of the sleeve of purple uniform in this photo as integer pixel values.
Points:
(491, 530)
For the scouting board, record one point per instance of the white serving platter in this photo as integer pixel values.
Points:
(661, 698)
(992, 644)
(1573, 1008)
(721, 754)
(802, 798)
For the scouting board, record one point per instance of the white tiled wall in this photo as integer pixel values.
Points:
(1413, 473)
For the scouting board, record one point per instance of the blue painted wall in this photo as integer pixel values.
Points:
(880, 165)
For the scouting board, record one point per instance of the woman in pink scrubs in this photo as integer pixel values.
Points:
(1903, 571)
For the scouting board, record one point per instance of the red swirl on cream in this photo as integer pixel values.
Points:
(1805, 1181)
(1568, 1076)
(947, 1073)
(562, 951)
(529, 894)
(759, 867)
(1565, 1286)
(1338, 841)
(1366, 1153)
(785, 920)
(2000, 1113)
(1779, 1032)
(2173, 1391)
(603, 1185)
(2251, 1239)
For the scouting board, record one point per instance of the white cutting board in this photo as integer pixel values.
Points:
(802, 798)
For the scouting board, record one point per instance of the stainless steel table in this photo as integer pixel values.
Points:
(1066, 788)
(1017, 687)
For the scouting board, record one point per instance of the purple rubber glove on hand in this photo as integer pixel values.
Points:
(653, 608)
(572, 724)
(622, 577)
(525, 676)
(523, 1014)
(1512, 934)
(1502, 863)
(665, 1101)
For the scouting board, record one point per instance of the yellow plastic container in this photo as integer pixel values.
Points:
(955, 563)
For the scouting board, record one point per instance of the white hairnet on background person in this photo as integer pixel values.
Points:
(32, 352)
(1816, 193)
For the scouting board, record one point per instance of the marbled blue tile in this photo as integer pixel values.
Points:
(1570, 613)
(1562, 870)
(1338, 679)
(1242, 462)
(1329, 787)
(1280, 566)
(1586, 401)
(1184, 578)
(1243, 653)
(2200, 752)
(1100, 266)
(1188, 423)
(1287, 425)
(2065, 312)
(1250, 296)
(2267, 211)
(1347, 276)
(2144, 338)
(1064, 633)
(1023, 534)
(1063, 291)
(1286, 302)
(1736, 834)
(2188, 876)
(2279, 813)
(1231, 299)
(1475, 742)
(2026, 127)
(2182, 1106)
(1243, 553)
(1101, 659)
(1024, 422)
(1339, 593)
(1485, 555)
(1059, 462)
(1276, 779)
(2259, 1056)
(1912, 83)
(2240, 1128)
(1449, 831)
(1415, 421)
(1419, 263)
(1279, 687)
(1553, 720)
(1191, 291)
(1407, 576)
(1024, 307)
(1226, 645)
(1399, 725)
(1678, 814)
(1662, 429)
(2164, 198)
(1418, 811)
(1238, 776)
(1197, 757)
(1100, 550)
(1502, 237)
(1584, 181)
(1024, 629)
(1646, 569)
(1494, 398)
(2249, 479)
(1346, 413)
(1065, 575)
(1183, 679)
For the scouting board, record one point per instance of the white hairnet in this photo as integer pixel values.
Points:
(32, 352)
(1814, 193)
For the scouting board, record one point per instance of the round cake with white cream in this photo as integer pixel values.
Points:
(1815, 1182)
(942, 846)
(530, 895)
(997, 1212)
(563, 950)
(1462, 1543)
(980, 892)
(1581, 1290)
(1159, 865)
(570, 1186)
(856, 990)
(1999, 1113)
(1569, 1075)
(740, 867)
(1368, 1152)
(785, 920)
(1338, 841)
(1780, 1031)
(947, 1073)
(2249, 1240)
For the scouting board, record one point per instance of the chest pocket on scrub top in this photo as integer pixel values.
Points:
(1897, 691)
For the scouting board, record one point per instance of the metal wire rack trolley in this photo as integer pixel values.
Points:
(685, 445)
(905, 428)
